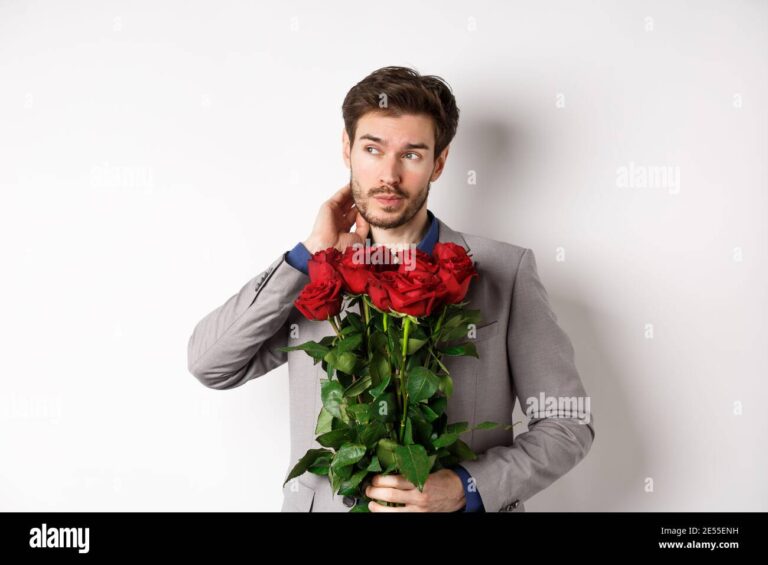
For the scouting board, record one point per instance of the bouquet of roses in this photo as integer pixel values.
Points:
(384, 401)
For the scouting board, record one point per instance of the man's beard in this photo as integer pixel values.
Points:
(393, 220)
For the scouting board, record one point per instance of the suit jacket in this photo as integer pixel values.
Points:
(523, 355)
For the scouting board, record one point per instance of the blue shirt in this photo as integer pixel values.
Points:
(298, 258)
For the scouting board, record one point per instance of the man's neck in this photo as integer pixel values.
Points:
(412, 232)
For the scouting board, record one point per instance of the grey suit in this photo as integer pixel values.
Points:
(524, 354)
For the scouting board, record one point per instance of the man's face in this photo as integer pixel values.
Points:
(391, 166)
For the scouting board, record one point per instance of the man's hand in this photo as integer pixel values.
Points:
(443, 492)
(336, 217)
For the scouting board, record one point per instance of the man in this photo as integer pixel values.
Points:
(398, 127)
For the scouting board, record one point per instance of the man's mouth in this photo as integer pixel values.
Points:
(388, 200)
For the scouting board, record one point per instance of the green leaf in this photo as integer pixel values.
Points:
(428, 413)
(465, 349)
(375, 466)
(445, 440)
(349, 485)
(327, 341)
(332, 394)
(315, 350)
(360, 412)
(358, 387)
(446, 384)
(380, 370)
(408, 435)
(463, 451)
(379, 342)
(321, 465)
(376, 391)
(439, 404)
(385, 451)
(415, 344)
(324, 421)
(335, 438)
(354, 320)
(350, 343)
(413, 462)
(348, 329)
(338, 474)
(451, 334)
(453, 321)
(487, 426)
(346, 362)
(422, 384)
(348, 454)
(384, 408)
(309, 458)
(372, 433)
(458, 427)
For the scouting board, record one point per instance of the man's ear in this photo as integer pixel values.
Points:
(345, 148)
(440, 164)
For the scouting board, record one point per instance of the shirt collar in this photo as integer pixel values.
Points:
(431, 237)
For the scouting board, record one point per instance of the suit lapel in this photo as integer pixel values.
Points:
(446, 234)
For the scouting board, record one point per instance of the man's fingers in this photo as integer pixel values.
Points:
(374, 506)
(388, 494)
(392, 481)
(362, 227)
(350, 216)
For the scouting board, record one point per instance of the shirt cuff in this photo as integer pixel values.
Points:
(298, 257)
(474, 503)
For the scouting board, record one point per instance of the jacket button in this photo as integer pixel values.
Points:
(349, 501)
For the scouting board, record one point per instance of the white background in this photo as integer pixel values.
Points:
(154, 156)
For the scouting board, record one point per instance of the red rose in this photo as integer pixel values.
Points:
(416, 293)
(377, 289)
(323, 264)
(354, 269)
(320, 300)
(386, 258)
(456, 270)
(417, 260)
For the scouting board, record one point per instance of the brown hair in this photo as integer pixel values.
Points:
(395, 91)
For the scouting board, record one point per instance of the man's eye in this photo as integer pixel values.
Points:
(417, 156)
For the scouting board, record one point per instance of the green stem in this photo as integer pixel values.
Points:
(335, 326)
(403, 386)
(437, 359)
(384, 321)
(367, 315)
(440, 321)
(367, 311)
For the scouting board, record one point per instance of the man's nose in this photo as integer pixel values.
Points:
(390, 173)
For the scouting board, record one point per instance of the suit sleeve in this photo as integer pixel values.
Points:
(239, 340)
(541, 362)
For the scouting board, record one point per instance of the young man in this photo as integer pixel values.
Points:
(398, 127)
